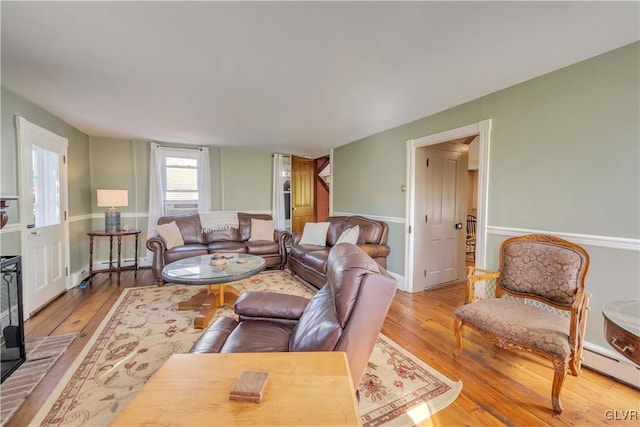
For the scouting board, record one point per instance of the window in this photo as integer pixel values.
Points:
(179, 169)
(46, 187)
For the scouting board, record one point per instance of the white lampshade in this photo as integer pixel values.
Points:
(113, 198)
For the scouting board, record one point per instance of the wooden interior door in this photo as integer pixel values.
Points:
(438, 215)
(302, 193)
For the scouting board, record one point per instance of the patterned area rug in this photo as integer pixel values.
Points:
(42, 354)
(144, 329)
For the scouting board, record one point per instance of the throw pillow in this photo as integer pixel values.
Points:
(350, 235)
(315, 233)
(261, 229)
(171, 234)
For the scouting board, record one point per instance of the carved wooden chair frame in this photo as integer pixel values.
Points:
(577, 313)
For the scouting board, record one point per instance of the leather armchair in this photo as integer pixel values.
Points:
(345, 315)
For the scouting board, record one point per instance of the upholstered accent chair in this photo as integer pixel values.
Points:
(540, 303)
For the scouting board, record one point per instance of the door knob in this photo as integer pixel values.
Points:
(459, 226)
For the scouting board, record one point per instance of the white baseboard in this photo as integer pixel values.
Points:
(401, 282)
(79, 276)
(610, 363)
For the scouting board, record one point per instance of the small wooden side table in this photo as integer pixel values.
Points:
(622, 327)
(118, 267)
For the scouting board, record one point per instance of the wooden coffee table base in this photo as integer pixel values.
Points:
(207, 301)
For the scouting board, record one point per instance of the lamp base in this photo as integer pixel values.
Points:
(112, 221)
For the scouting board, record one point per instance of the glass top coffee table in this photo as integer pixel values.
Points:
(198, 271)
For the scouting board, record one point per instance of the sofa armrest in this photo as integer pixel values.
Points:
(282, 237)
(158, 246)
(375, 251)
(270, 305)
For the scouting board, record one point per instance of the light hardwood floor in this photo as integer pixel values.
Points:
(500, 387)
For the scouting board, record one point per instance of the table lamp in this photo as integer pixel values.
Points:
(112, 199)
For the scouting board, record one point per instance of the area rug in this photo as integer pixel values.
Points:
(42, 354)
(144, 329)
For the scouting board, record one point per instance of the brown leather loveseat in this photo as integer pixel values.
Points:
(235, 240)
(310, 261)
(345, 315)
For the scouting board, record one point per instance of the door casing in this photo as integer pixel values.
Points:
(483, 130)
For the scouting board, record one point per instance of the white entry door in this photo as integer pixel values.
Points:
(43, 212)
(437, 220)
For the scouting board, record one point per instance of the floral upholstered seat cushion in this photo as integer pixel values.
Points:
(520, 323)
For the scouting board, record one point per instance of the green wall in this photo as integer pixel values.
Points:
(564, 158)
(247, 178)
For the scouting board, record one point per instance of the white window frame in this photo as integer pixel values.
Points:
(173, 207)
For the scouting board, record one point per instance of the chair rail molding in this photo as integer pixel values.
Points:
(620, 243)
(392, 219)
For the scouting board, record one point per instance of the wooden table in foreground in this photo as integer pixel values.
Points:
(304, 388)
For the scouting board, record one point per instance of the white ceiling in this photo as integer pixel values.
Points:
(293, 77)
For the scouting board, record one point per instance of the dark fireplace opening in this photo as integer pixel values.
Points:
(11, 316)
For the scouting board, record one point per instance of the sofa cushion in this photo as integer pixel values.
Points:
(225, 235)
(170, 233)
(189, 226)
(349, 235)
(261, 229)
(253, 336)
(235, 247)
(184, 251)
(315, 233)
(520, 323)
(262, 247)
(244, 220)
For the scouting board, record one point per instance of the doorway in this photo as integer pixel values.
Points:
(43, 214)
(302, 193)
(414, 247)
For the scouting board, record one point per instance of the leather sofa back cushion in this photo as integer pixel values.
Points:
(370, 231)
(189, 226)
(228, 235)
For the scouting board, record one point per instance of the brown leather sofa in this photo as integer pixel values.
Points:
(235, 240)
(310, 261)
(345, 315)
